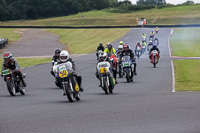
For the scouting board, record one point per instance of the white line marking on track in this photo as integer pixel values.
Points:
(172, 64)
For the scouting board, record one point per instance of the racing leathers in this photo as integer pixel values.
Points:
(98, 49)
(14, 67)
(54, 60)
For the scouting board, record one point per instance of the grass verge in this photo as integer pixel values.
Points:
(25, 62)
(12, 34)
(84, 41)
(187, 75)
(166, 16)
(186, 42)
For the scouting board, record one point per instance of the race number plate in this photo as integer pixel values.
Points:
(63, 74)
(103, 70)
(5, 72)
(126, 64)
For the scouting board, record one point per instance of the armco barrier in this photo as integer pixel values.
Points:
(100, 27)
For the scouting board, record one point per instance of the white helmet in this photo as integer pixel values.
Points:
(64, 56)
(102, 56)
(120, 47)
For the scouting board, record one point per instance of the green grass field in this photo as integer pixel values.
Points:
(25, 62)
(166, 16)
(186, 42)
(12, 34)
(187, 75)
(83, 41)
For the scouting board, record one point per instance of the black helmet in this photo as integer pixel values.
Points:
(57, 52)
(100, 44)
(109, 45)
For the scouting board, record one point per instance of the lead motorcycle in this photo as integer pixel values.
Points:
(107, 82)
(68, 81)
(13, 82)
(128, 67)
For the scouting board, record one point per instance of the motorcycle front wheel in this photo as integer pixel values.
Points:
(67, 89)
(128, 76)
(105, 86)
(11, 88)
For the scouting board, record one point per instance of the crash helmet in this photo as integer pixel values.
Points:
(64, 56)
(121, 43)
(100, 44)
(102, 56)
(109, 45)
(126, 47)
(7, 56)
(57, 52)
(120, 48)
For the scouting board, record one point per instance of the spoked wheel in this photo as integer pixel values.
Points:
(105, 86)
(11, 88)
(68, 92)
(23, 90)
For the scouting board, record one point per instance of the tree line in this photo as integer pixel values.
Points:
(35, 9)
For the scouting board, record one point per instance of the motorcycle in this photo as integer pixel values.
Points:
(138, 51)
(154, 57)
(107, 82)
(68, 81)
(114, 60)
(97, 53)
(127, 65)
(156, 30)
(150, 46)
(143, 48)
(13, 82)
(144, 39)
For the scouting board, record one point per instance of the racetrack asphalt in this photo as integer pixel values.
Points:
(145, 106)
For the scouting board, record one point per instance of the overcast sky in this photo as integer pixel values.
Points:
(168, 1)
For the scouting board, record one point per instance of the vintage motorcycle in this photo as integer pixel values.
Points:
(68, 81)
(13, 82)
(105, 76)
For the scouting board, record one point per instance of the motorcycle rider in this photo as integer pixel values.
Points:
(138, 44)
(100, 47)
(121, 43)
(128, 52)
(110, 49)
(103, 57)
(55, 58)
(154, 48)
(64, 57)
(11, 63)
(144, 35)
(120, 48)
(156, 29)
(156, 41)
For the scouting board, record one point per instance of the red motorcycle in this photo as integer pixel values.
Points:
(154, 57)
(114, 60)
